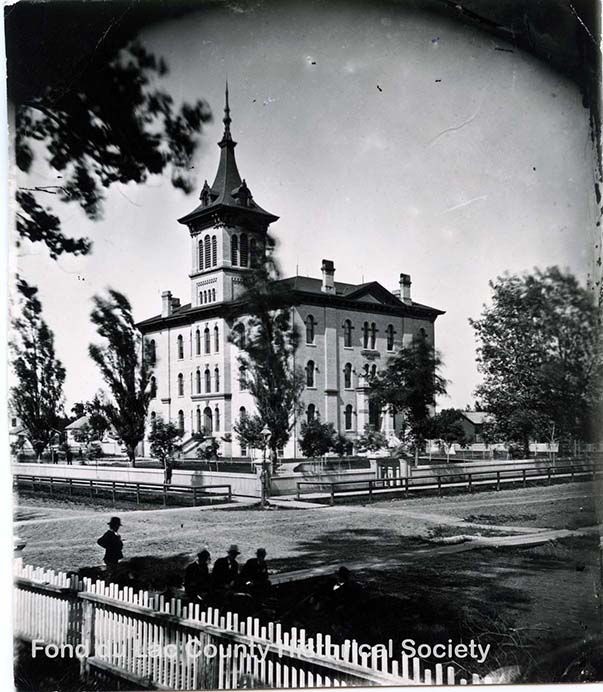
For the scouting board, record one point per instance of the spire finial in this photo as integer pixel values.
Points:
(226, 119)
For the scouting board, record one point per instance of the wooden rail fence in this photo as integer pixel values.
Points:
(151, 642)
(138, 491)
(455, 479)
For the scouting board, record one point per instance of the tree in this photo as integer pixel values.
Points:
(78, 410)
(340, 445)
(267, 342)
(164, 440)
(97, 420)
(316, 438)
(37, 397)
(124, 365)
(447, 427)
(248, 430)
(93, 111)
(409, 385)
(540, 356)
(371, 440)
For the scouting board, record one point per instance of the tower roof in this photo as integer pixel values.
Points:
(228, 190)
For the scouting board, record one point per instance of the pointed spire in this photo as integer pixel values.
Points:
(226, 119)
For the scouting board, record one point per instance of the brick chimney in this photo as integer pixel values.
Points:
(405, 283)
(328, 276)
(166, 303)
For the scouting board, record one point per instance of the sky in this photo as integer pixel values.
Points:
(387, 140)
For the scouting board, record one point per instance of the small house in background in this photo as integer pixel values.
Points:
(76, 438)
(473, 423)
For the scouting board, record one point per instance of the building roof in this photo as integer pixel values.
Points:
(371, 296)
(477, 417)
(228, 191)
(78, 423)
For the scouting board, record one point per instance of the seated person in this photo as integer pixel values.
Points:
(197, 581)
(255, 572)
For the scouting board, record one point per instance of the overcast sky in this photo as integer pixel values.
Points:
(387, 141)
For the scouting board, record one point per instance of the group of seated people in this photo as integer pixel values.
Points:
(226, 577)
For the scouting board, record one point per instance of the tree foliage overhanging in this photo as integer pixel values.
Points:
(409, 385)
(109, 124)
(539, 352)
(267, 341)
(37, 397)
(124, 363)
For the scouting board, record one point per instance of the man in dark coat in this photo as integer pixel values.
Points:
(112, 543)
(197, 582)
(226, 570)
(255, 572)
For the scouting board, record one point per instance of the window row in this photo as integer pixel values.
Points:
(369, 334)
(206, 421)
(348, 415)
(204, 341)
(243, 251)
(201, 381)
(208, 296)
(311, 370)
(207, 252)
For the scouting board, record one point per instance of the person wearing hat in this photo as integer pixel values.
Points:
(226, 570)
(255, 572)
(197, 581)
(112, 543)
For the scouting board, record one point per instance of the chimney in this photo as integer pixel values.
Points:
(405, 283)
(328, 276)
(166, 303)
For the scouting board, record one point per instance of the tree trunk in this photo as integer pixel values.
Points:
(132, 455)
(526, 447)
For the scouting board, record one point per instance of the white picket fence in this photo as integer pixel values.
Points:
(156, 643)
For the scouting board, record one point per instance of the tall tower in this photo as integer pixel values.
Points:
(228, 229)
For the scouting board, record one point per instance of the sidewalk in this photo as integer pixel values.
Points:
(532, 539)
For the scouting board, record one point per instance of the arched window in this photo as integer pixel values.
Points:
(241, 339)
(373, 335)
(207, 340)
(347, 376)
(242, 378)
(208, 426)
(216, 339)
(390, 337)
(207, 381)
(234, 250)
(310, 374)
(153, 419)
(310, 412)
(213, 295)
(366, 370)
(373, 371)
(181, 421)
(214, 251)
(198, 342)
(200, 255)
(217, 378)
(152, 352)
(374, 414)
(198, 421)
(217, 419)
(153, 387)
(180, 384)
(180, 342)
(207, 253)
(310, 329)
(242, 412)
(422, 334)
(198, 381)
(348, 417)
(347, 333)
(204, 296)
(365, 335)
(244, 250)
(253, 253)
